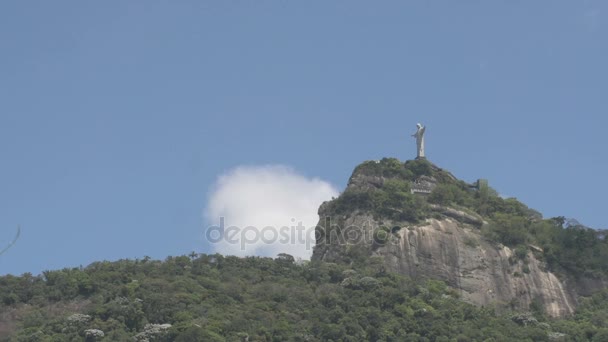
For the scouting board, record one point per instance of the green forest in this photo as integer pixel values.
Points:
(218, 298)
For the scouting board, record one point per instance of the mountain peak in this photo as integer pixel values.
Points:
(424, 222)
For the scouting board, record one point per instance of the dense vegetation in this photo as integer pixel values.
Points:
(216, 298)
(575, 250)
(393, 199)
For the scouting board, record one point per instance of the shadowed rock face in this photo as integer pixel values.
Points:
(455, 252)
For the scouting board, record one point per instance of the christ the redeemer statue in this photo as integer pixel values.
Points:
(419, 135)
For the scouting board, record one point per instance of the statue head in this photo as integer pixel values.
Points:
(418, 125)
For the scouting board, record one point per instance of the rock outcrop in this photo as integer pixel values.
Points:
(452, 251)
(448, 246)
(484, 274)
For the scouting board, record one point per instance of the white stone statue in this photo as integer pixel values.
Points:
(419, 135)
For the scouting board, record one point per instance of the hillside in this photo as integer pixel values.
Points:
(216, 298)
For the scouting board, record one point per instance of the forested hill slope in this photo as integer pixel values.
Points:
(425, 223)
(216, 298)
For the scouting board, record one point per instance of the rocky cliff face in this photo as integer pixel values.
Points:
(452, 251)
(449, 246)
(485, 274)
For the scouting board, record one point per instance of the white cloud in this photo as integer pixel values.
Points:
(255, 197)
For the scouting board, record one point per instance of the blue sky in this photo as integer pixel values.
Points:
(117, 118)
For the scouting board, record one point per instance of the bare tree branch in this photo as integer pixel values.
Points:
(13, 241)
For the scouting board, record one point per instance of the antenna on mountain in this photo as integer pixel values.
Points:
(13, 241)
